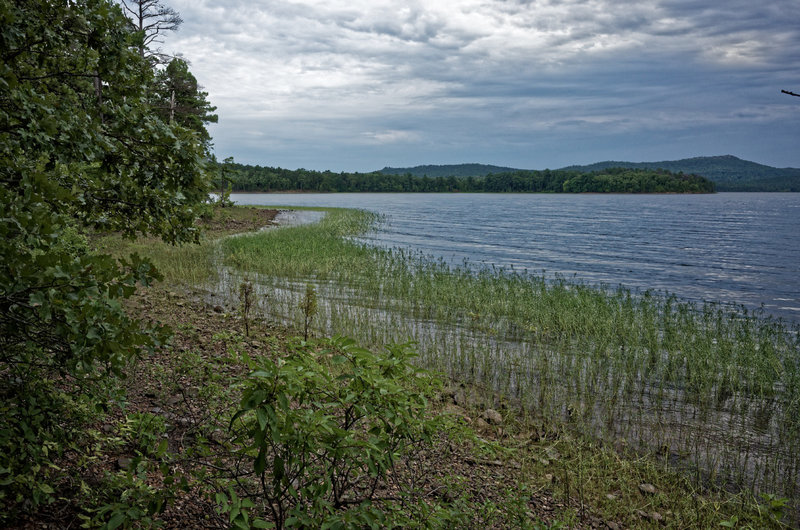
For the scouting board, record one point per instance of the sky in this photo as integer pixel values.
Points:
(356, 85)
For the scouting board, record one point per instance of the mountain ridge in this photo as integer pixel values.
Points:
(728, 172)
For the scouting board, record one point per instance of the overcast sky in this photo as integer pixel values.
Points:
(357, 85)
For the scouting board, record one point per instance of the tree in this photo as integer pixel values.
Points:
(81, 148)
(152, 19)
(180, 99)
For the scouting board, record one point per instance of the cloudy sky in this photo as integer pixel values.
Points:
(356, 85)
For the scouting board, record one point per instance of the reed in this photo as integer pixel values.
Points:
(711, 387)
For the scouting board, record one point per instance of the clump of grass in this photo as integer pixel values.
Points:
(715, 388)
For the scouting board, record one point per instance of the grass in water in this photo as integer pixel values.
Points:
(711, 388)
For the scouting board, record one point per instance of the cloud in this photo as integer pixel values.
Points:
(492, 73)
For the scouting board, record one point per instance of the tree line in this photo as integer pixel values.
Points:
(613, 180)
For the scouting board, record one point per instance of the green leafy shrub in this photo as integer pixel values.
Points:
(81, 148)
(323, 430)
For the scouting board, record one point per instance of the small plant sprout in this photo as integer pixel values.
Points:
(246, 300)
(308, 305)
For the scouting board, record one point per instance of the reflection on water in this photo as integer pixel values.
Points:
(737, 439)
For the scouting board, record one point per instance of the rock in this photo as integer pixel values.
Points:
(611, 497)
(480, 424)
(174, 400)
(656, 517)
(552, 453)
(107, 427)
(549, 477)
(124, 462)
(492, 416)
(218, 309)
(612, 525)
(647, 489)
(455, 410)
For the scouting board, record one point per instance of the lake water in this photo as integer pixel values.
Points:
(741, 248)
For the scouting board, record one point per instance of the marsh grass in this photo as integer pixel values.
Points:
(713, 388)
(186, 264)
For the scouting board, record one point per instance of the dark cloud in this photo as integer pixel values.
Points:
(361, 84)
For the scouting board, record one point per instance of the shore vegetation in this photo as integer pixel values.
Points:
(713, 389)
(608, 180)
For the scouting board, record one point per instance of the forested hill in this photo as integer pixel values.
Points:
(728, 172)
(614, 180)
(452, 170)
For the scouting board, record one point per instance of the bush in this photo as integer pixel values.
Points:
(322, 432)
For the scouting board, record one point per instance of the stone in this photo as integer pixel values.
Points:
(218, 309)
(647, 489)
(455, 410)
(124, 462)
(480, 424)
(552, 453)
(492, 416)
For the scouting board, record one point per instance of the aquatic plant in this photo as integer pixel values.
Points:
(711, 387)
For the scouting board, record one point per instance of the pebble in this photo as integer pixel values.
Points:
(492, 416)
(647, 488)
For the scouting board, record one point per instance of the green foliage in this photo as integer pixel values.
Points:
(323, 430)
(81, 147)
(179, 99)
(609, 362)
(612, 180)
(227, 175)
(447, 170)
(775, 505)
(727, 172)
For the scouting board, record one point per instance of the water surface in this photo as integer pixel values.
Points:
(741, 248)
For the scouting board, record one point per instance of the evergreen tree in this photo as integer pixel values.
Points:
(180, 100)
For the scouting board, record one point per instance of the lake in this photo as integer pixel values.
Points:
(740, 248)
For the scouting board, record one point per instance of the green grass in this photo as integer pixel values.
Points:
(714, 388)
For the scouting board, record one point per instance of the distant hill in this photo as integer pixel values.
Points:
(452, 170)
(728, 172)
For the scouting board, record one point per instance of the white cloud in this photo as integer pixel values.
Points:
(307, 68)
(391, 136)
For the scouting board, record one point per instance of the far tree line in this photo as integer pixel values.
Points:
(242, 177)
